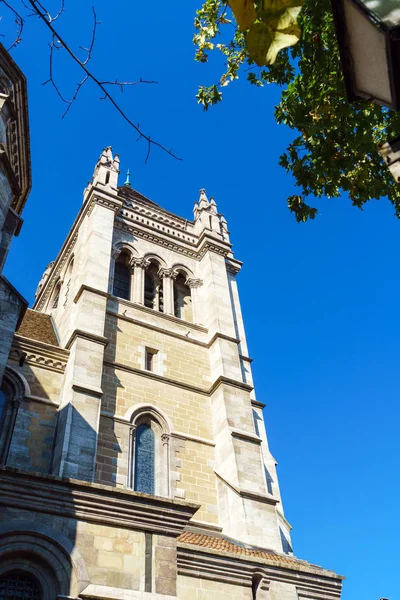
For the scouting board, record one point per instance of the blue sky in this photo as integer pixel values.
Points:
(319, 299)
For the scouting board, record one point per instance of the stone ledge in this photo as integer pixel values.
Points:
(229, 567)
(112, 593)
(93, 502)
(249, 494)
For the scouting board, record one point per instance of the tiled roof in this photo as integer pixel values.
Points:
(222, 545)
(38, 326)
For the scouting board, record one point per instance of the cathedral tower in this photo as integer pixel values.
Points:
(154, 432)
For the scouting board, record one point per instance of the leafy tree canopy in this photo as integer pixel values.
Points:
(335, 150)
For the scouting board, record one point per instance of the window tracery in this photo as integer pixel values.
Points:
(19, 585)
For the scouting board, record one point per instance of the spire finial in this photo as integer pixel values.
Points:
(128, 179)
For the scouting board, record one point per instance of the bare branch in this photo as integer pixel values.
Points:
(20, 24)
(43, 14)
(90, 49)
(70, 103)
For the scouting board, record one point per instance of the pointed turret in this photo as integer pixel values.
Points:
(106, 171)
(206, 214)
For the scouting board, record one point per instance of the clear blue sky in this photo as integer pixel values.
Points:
(320, 300)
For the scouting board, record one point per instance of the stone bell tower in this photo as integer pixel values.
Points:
(158, 436)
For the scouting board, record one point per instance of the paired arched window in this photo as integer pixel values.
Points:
(122, 277)
(19, 585)
(153, 288)
(182, 299)
(150, 454)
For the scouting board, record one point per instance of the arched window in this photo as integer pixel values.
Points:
(19, 585)
(182, 299)
(149, 471)
(56, 296)
(153, 288)
(3, 402)
(122, 277)
(144, 460)
(6, 396)
(67, 279)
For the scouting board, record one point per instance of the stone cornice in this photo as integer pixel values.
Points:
(206, 243)
(153, 312)
(39, 353)
(93, 502)
(207, 563)
(222, 380)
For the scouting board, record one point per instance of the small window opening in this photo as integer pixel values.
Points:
(151, 359)
(108, 177)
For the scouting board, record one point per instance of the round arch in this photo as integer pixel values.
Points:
(183, 269)
(45, 554)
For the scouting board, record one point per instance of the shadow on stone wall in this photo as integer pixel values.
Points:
(37, 543)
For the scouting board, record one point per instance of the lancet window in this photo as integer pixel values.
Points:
(150, 454)
(122, 277)
(144, 459)
(8, 411)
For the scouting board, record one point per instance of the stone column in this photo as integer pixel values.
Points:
(139, 265)
(166, 466)
(194, 285)
(168, 276)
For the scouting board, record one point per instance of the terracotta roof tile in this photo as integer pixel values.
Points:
(38, 326)
(222, 545)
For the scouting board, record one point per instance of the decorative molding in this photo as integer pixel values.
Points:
(233, 266)
(193, 283)
(39, 353)
(94, 503)
(249, 494)
(166, 272)
(58, 266)
(175, 244)
(113, 204)
(142, 262)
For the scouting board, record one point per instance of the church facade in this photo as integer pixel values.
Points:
(135, 462)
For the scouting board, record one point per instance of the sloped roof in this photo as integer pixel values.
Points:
(38, 326)
(223, 545)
